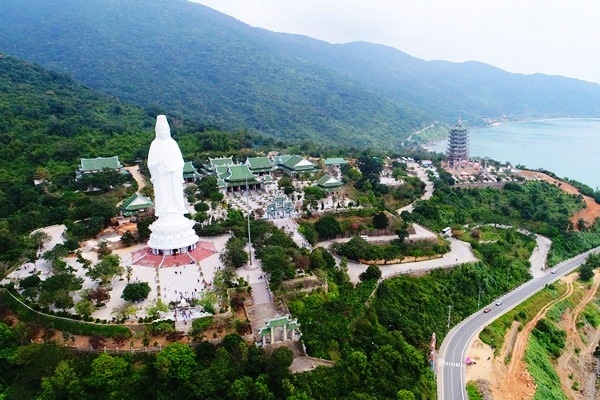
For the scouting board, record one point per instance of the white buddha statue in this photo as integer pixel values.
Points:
(165, 163)
(172, 232)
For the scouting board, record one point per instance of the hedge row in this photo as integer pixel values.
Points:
(62, 324)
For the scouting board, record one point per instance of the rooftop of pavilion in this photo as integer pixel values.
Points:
(100, 163)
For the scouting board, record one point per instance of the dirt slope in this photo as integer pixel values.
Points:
(512, 381)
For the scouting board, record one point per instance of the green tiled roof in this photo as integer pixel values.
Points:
(297, 163)
(189, 170)
(335, 161)
(259, 163)
(328, 181)
(188, 167)
(216, 162)
(100, 163)
(278, 322)
(280, 159)
(238, 174)
(136, 202)
(222, 171)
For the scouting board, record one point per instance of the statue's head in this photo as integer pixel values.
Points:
(162, 127)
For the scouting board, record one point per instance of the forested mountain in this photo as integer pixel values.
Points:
(192, 62)
(472, 89)
(49, 121)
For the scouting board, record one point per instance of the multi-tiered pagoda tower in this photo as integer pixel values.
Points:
(458, 145)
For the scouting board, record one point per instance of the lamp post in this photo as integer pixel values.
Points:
(479, 298)
(449, 305)
(249, 239)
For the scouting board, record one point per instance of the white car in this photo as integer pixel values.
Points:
(553, 271)
(499, 302)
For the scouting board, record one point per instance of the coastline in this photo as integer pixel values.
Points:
(564, 145)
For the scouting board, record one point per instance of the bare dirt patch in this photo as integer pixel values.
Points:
(511, 380)
(574, 363)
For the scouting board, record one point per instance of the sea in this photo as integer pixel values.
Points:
(569, 147)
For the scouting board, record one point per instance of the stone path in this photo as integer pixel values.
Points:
(136, 174)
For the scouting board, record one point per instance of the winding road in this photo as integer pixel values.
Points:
(450, 366)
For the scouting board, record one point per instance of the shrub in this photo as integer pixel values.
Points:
(162, 327)
(200, 325)
(550, 337)
(70, 326)
(372, 273)
(136, 291)
(242, 327)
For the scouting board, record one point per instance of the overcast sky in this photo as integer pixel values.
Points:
(554, 37)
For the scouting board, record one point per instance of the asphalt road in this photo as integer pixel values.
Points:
(453, 351)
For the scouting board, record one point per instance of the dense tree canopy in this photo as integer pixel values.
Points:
(136, 291)
(327, 227)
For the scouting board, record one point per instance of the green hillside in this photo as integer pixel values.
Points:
(49, 121)
(192, 62)
(444, 89)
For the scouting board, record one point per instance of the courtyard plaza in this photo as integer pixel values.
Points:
(255, 199)
(188, 281)
(171, 283)
(259, 199)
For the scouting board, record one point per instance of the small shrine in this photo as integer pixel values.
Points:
(279, 329)
(281, 207)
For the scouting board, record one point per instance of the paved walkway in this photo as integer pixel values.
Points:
(136, 174)
(422, 175)
(539, 256)
(261, 294)
(460, 253)
(290, 226)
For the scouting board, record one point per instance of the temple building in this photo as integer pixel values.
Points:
(137, 203)
(294, 164)
(237, 177)
(333, 166)
(334, 161)
(190, 173)
(458, 145)
(92, 165)
(233, 177)
(259, 165)
(328, 183)
(215, 165)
